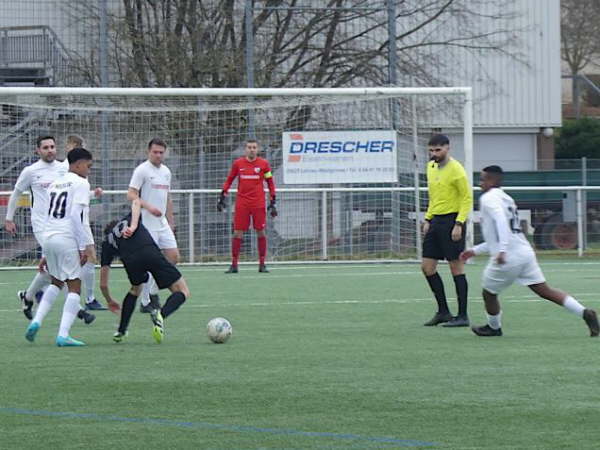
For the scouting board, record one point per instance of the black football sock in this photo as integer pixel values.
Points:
(174, 301)
(462, 290)
(437, 287)
(126, 311)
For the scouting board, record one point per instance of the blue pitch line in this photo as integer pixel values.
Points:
(235, 428)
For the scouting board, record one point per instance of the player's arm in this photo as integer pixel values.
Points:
(233, 173)
(136, 210)
(271, 185)
(80, 219)
(107, 256)
(465, 194)
(502, 229)
(170, 215)
(23, 183)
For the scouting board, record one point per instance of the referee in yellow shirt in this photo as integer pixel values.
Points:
(450, 201)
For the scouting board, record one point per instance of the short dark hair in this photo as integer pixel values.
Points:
(38, 141)
(77, 154)
(438, 139)
(252, 141)
(497, 170)
(157, 141)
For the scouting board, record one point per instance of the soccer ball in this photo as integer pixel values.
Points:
(219, 330)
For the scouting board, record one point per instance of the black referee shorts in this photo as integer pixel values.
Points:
(438, 243)
(150, 259)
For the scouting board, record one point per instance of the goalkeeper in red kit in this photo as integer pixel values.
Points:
(251, 172)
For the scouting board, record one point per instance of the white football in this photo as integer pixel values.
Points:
(219, 330)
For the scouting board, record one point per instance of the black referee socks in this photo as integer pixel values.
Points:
(462, 290)
(437, 286)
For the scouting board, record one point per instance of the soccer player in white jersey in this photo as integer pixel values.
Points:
(36, 178)
(512, 258)
(67, 244)
(151, 183)
(88, 271)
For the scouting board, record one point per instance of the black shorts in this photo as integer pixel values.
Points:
(438, 243)
(150, 259)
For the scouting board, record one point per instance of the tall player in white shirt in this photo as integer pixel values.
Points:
(67, 244)
(151, 183)
(512, 258)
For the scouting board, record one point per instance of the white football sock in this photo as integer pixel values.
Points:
(88, 277)
(495, 322)
(573, 305)
(46, 303)
(39, 283)
(69, 314)
(149, 288)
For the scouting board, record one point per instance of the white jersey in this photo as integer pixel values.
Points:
(500, 225)
(153, 183)
(68, 211)
(36, 178)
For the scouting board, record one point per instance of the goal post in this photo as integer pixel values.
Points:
(368, 214)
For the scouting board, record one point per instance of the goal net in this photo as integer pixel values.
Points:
(334, 203)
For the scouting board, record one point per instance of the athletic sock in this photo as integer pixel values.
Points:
(147, 289)
(495, 322)
(46, 303)
(262, 249)
(88, 277)
(236, 246)
(126, 311)
(462, 291)
(39, 283)
(69, 314)
(174, 301)
(437, 287)
(573, 305)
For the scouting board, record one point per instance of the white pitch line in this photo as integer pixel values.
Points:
(507, 299)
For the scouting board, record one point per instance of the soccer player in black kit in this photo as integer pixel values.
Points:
(130, 240)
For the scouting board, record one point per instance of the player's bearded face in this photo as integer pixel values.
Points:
(47, 150)
(438, 153)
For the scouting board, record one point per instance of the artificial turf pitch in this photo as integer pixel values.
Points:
(331, 356)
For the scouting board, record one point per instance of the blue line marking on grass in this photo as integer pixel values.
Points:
(215, 426)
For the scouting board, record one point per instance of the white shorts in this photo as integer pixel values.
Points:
(164, 238)
(62, 257)
(522, 269)
(39, 237)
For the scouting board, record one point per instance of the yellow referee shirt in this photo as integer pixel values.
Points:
(449, 190)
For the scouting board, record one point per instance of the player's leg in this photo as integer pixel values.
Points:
(46, 303)
(259, 221)
(70, 310)
(494, 316)
(167, 276)
(180, 293)
(431, 254)
(88, 277)
(569, 303)
(241, 223)
(40, 282)
(452, 250)
(127, 309)
(149, 299)
(495, 279)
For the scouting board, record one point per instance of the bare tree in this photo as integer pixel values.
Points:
(197, 43)
(580, 45)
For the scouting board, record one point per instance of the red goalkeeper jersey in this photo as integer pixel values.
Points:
(251, 177)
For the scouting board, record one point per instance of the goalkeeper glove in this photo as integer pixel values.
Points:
(272, 208)
(222, 203)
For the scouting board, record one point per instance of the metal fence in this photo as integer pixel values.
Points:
(340, 224)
